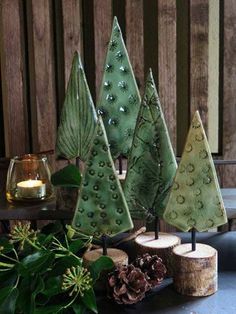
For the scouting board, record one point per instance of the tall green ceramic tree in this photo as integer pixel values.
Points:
(195, 200)
(101, 208)
(151, 163)
(78, 116)
(119, 99)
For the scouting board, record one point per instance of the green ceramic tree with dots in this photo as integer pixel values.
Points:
(195, 201)
(119, 98)
(151, 163)
(101, 209)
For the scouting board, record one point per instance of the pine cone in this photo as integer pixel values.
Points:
(127, 285)
(152, 267)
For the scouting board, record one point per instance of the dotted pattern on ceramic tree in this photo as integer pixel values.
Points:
(195, 200)
(119, 99)
(101, 208)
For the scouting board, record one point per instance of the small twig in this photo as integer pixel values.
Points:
(132, 236)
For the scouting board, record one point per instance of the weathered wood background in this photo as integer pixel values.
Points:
(190, 46)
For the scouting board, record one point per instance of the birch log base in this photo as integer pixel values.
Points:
(195, 272)
(121, 176)
(119, 257)
(162, 247)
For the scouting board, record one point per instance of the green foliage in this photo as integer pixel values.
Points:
(195, 200)
(119, 99)
(78, 116)
(151, 163)
(99, 265)
(43, 272)
(69, 177)
(101, 207)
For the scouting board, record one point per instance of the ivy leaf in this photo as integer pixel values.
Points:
(78, 116)
(30, 287)
(52, 286)
(69, 177)
(7, 246)
(8, 304)
(102, 263)
(8, 278)
(50, 309)
(76, 245)
(63, 263)
(79, 308)
(44, 239)
(90, 301)
(38, 262)
(52, 228)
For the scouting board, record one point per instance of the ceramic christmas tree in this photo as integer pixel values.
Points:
(78, 116)
(101, 209)
(119, 99)
(75, 132)
(151, 170)
(195, 203)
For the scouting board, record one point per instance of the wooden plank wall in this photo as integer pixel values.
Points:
(38, 39)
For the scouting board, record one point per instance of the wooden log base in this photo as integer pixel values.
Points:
(163, 246)
(195, 272)
(119, 257)
(122, 176)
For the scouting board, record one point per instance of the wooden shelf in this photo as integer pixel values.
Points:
(40, 211)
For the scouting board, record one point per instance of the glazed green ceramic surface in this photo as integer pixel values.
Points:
(119, 99)
(151, 164)
(78, 116)
(195, 199)
(101, 207)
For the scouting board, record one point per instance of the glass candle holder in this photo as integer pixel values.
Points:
(28, 179)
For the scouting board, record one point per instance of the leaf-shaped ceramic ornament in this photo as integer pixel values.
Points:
(151, 163)
(101, 207)
(119, 99)
(195, 200)
(69, 176)
(78, 116)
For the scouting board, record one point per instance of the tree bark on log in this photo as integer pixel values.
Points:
(119, 257)
(195, 272)
(162, 247)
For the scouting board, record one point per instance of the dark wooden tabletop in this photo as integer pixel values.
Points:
(165, 300)
(38, 211)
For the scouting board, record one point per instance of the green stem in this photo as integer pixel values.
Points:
(71, 302)
(6, 265)
(8, 257)
(67, 244)
(17, 281)
(60, 246)
(33, 244)
(16, 255)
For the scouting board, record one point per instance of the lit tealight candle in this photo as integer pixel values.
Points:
(31, 189)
